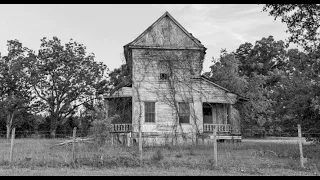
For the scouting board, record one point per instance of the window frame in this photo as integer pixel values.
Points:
(149, 113)
(166, 75)
(184, 114)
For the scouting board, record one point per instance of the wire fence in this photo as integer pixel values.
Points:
(39, 134)
(245, 133)
(56, 151)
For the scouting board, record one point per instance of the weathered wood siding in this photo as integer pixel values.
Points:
(213, 94)
(166, 34)
(148, 64)
(146, 80)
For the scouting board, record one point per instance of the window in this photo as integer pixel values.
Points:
(164, 76)
(184, 113)
(149, 109)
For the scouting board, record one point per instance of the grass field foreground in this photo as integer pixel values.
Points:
(41, 157)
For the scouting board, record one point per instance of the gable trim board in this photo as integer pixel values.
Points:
(163, 47)
(211, 82)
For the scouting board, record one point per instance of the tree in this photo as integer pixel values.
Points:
(119, 75)
(298, 92)
(303, 22)
(226, 72)
(266, 55)
(15, 94)
(64, 78)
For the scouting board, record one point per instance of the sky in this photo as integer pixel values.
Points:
(105, 28)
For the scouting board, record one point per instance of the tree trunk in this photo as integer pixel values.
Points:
(53, 126)
(53, 133)
(9, 124)
(8, 131)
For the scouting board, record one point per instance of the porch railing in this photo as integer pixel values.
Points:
(206, 127)
(121, 127)
(220, 127)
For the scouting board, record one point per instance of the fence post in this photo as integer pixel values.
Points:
(74, 145)
(128, 139)
(13, 134)
(215, 148)
(112, 138)
(300, 146)
(140, 145)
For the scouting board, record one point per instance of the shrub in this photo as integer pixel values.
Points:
(179, 155)
(157, 156)
(101, 127)
(191, 151)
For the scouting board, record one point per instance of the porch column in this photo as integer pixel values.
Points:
(229, 113)
(229, 116)
(106, 105)
(225, 111)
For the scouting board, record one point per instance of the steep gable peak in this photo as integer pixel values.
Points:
(166, 32)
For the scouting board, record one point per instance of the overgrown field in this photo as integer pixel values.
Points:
(41, 157)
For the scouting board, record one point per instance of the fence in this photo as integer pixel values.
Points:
(131, 139)
(310, 134)
(39, 134)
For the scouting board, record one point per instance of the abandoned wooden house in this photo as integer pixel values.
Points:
(166, 93)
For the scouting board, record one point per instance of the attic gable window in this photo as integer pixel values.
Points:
(164, 76)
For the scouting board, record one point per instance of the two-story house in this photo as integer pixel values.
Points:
(166, 94)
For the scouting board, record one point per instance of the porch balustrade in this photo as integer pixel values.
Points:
(226, 128)
(121, 127)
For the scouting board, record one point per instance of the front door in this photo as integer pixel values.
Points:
(209, 113)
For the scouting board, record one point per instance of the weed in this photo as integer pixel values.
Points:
(179, 155)
(191, 151)
(157, 156)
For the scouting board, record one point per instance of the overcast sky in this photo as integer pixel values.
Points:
(105, 28)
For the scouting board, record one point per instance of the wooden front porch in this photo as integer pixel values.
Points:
(224, 131)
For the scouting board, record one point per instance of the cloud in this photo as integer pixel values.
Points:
(248, 11)
(239, 37)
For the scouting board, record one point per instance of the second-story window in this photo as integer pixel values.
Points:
(164, 76)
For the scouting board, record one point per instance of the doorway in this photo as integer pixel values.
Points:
(209, 113)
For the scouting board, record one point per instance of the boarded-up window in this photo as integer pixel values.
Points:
(150, 113)
(184, 113)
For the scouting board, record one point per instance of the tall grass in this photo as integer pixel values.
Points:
(250, 157)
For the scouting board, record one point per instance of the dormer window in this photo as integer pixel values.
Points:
(164, 76)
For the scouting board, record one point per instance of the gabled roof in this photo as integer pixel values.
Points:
(240, 97)
(128, 83)
(166, 14)
(211, 82)
(125, 83)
